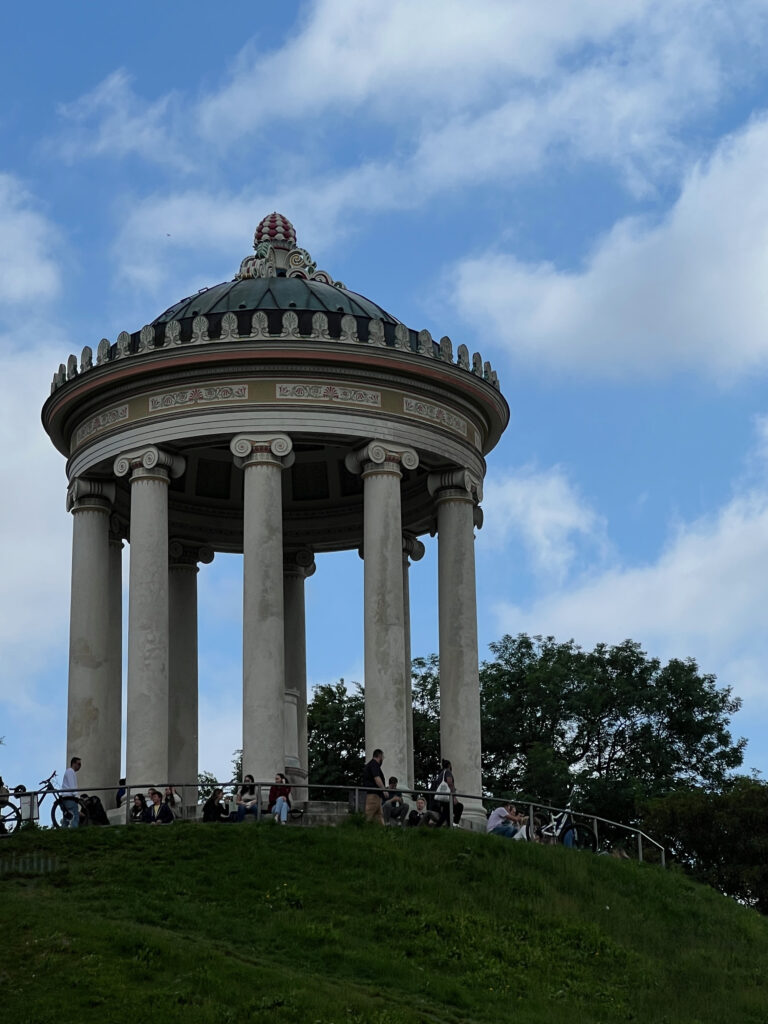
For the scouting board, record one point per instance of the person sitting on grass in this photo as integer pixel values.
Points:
(246, 799)
(159, 813)
(213, 808)
(279, 799)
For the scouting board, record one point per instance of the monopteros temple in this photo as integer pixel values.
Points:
(276, 415)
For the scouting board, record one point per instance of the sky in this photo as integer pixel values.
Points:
(577, 190)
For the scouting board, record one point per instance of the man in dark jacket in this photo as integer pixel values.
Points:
(373, 783)
(159, 813)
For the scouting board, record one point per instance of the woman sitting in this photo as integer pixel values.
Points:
(213, 808)
(138, 807)
(246, 799)
(279, 802)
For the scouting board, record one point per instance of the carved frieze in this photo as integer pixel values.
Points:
(100, 422)
(198, 396)
(329, 393)
(435, 413)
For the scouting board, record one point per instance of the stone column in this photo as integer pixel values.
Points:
(455, 493)
(150, 470)
(412, 549)
(385, 701)
(117, 531)
(263, 458)
(182, 667)
(93, 706)
(297, 566)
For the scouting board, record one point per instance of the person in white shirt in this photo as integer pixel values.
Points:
(69, 786)
(504, 821)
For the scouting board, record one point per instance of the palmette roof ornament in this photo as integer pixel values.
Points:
(277, 255)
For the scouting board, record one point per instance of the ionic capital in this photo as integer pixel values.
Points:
(455, 483)
(381, 457)
(149, 463)
(83, 493)
(299, 563)
(262, 449)
(185, 555)
(412, 548)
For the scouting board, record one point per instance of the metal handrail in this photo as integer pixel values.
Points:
(130, 790)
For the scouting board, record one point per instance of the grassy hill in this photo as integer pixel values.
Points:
(362, 925)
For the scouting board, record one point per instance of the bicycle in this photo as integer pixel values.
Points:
(10, 815)
(61, 811)
(561, 828)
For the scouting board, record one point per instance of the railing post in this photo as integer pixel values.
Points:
(640, 847)
(594, 829)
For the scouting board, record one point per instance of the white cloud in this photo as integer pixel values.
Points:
(112, 121)
(704, 596)
(28, 270)
(545, 510)
(34, 583)
(688, 292)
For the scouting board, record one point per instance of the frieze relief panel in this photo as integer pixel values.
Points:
(329, 393)
(437, 414)
(100, 422)
(198, 396)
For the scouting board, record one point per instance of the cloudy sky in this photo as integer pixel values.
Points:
(578, 190)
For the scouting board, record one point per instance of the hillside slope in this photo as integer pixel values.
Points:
(249, 923)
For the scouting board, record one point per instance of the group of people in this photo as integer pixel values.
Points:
(385, 805)
(160, 809)
(247, 802)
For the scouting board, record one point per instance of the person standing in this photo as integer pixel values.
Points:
(69, 794)
(444, 799)
(373, 783)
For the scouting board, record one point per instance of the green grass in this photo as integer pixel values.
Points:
(249, 923)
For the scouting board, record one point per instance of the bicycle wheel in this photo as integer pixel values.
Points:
(579, 837)
(62, 812)
(10, 819)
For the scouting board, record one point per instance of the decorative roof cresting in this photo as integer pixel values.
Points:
(277, 255)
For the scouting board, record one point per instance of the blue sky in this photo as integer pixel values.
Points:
(579, 191)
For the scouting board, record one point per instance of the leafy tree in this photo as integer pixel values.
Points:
(425, 690)
(336, 735)
(619, 724)
(206, 783)
(720, 838)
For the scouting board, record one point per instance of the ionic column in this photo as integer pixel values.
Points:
(455, 493)
(93, 706)
(117, 531)
(297, 566)
(263, 458)
(412, 549)
(150, 470)
(385, 695)
(182, 666)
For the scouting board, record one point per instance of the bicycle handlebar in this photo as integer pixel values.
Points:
(46, 781)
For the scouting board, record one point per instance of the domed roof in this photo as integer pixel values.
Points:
(274, 293)
(279, 276)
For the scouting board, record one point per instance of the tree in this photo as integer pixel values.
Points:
(425, 689)
(619, 724)
(336, 735)
(720, 838)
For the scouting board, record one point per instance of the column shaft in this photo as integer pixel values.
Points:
(459, 678)
(385, 694)
(298, 566)
(147, 725)
(91, 706)
(263, 611)
(182, 681)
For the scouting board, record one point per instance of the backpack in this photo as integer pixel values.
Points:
(95, 811)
